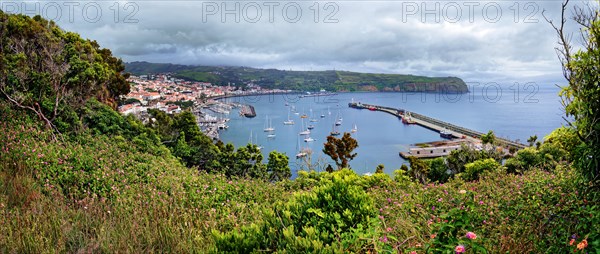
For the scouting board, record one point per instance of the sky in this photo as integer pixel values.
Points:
(478, 41)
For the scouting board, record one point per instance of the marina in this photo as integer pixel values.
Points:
(380, 137)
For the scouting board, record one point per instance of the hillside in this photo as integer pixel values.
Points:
(304, 80)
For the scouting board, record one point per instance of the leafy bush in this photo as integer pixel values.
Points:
(564, 138)
(335, 216)
(457, 159)
(438, 171)
(546, 157)
(476, 168)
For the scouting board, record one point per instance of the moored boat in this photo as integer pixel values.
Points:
(446, 134)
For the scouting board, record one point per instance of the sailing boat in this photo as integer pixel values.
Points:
(354, 129)
(289, 121)
(268, 126)
(334, 131)
(304, 132)
(322, 115)
(301, 152)
(338, 122)
(304, 115)
(251, 141)
(312, 119)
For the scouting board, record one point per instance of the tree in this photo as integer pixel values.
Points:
(329, 169)
(401, 175)
(466, 154)
(379, 169)
(203, 97)
(52, 73)
(488, 138)
(182, 127)
(248, 162)
(418, 169)
(531, 140)
(581, 98)
(278, 168)
(474, 169)
(340, 149)
(438, 171)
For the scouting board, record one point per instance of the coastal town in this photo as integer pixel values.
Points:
(172, 95)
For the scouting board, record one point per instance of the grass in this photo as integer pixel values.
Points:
(101, 194)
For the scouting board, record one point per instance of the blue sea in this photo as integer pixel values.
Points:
(511, 112)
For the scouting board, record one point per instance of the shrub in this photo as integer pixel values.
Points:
(335, 216)
(474, 169)
(438, 171)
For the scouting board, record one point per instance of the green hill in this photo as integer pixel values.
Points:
(304, 80)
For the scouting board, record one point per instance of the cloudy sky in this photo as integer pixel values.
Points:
(479, 41)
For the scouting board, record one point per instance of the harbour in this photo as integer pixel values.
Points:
(459, 135)
(380, 137)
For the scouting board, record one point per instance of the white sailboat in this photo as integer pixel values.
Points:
(334, 131)
(268, 126)
(312, 118)
(252, 143)
(354, 129)
(303, 131)
(289, 121)
(338, 122)
(301, 152)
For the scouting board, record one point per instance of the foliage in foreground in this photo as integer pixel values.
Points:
(581, 98)
(334, 216)
(102, 194)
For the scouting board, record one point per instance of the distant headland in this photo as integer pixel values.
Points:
(331, 80)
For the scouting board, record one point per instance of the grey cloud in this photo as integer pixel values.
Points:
(369, 36)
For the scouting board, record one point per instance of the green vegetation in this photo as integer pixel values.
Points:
(581, 98)
(304, 80)
(340, 149)
(334, 216)
(91, 180)
(183, 104)
(51, 73)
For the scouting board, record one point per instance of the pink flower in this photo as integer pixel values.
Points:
(384, 239)
(459, 249)
(471, 235)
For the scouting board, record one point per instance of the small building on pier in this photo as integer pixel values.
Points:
(434, 149)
